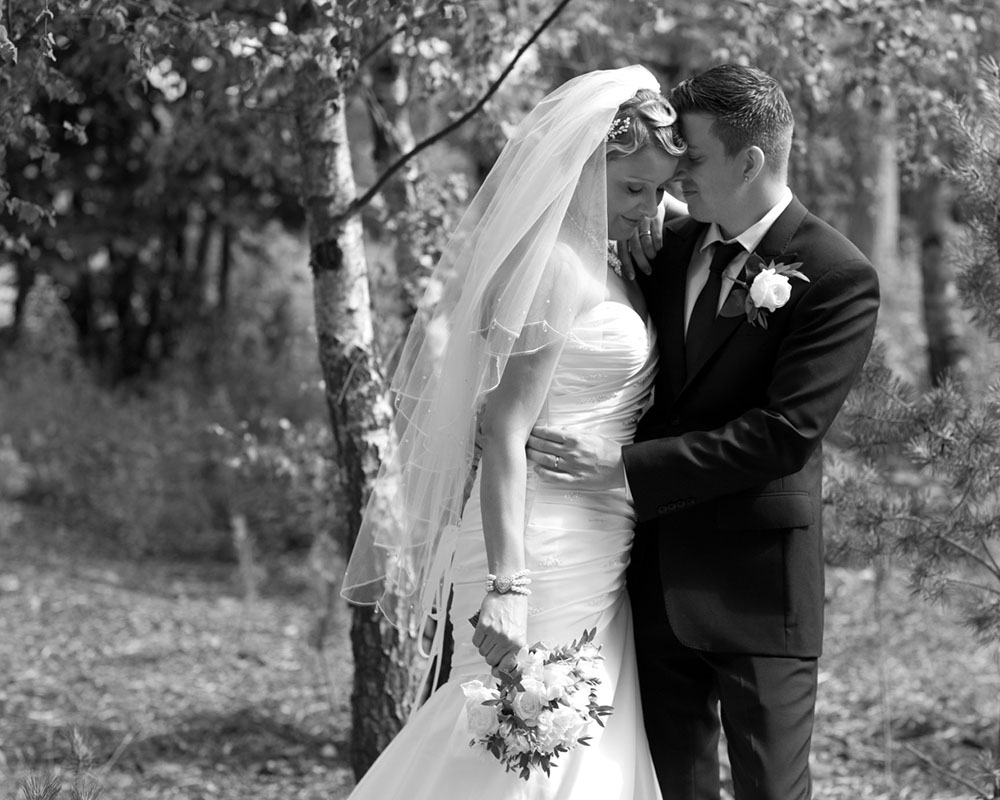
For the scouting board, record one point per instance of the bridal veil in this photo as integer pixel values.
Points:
(498, 290)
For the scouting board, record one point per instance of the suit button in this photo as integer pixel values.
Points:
(675, 420)
(662, 509)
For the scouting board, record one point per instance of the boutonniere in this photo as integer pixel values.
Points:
(767, 288)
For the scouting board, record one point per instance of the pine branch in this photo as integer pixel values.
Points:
(942, 771)
(989, 554)
(979, 587)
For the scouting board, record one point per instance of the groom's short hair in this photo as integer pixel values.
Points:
(749, 107)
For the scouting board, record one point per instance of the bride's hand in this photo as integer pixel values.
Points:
(638, 251)
(572, 457)
(501, 629)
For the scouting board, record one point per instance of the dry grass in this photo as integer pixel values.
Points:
(183, 690)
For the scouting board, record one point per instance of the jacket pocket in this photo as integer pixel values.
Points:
(765, 511)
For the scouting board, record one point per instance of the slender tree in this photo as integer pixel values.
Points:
(359, 409)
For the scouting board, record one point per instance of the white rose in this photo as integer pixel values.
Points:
(558, 677)
(482, 719)
(568, 723)
(560, 727)
(529, 703)
(770, 290)
(547, 736)
(530, 663)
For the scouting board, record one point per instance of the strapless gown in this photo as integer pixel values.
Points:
(577, 545)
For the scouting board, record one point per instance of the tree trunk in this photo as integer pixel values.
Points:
(359, 409)
(225, 266)
(947, 350)
(25, 283)
(392, 135)
(874, 216)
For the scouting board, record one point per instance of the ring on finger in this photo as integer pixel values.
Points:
(645, 233)
(555, 463)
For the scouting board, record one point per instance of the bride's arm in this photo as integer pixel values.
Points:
(510, 411)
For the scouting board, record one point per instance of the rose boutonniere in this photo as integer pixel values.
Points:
(767, 288)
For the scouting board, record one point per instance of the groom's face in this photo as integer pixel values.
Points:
(712, 180)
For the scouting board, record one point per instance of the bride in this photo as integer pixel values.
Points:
(527, 321)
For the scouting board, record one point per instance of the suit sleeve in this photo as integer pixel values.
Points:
(822, 352)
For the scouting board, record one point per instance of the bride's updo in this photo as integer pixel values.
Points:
(645, 118)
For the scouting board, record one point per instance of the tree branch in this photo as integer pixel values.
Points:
(989, 554)
(968, 552)
(358, 203)
(942, 771)
(979, 587)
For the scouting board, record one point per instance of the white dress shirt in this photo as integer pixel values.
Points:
(697, 275)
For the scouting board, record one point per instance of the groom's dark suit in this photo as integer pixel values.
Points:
(726, 577)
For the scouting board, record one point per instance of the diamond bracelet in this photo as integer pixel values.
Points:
(513, 584)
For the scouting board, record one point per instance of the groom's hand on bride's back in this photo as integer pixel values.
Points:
(575, 458)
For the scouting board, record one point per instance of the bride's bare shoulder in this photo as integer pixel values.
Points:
(568, 275)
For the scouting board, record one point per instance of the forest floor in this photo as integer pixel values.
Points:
(183, 689)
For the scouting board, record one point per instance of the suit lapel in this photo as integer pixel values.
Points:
(774, 245)
(776, 241)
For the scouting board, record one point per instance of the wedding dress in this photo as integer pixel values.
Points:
(577, 545)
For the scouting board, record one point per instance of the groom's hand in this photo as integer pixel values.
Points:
(574, 458)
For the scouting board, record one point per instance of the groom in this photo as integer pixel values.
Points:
(726, 577)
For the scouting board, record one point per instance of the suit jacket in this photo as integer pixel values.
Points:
(726, 469)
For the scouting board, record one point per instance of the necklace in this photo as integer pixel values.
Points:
(613, 261)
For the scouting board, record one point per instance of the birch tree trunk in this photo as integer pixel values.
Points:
(874, 219)
(392, 135)
(358, 406)
(947, 349)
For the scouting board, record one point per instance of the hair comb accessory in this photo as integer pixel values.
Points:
(618, 127)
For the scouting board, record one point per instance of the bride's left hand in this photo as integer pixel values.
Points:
(581, 459)
(637, 252)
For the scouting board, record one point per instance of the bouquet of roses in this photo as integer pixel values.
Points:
(540, 709)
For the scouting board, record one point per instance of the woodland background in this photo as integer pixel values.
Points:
(211, 242)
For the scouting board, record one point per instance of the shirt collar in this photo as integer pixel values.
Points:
(753, 235)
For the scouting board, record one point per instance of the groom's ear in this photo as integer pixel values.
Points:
(753, 163)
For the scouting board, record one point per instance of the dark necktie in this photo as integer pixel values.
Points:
(707, 303)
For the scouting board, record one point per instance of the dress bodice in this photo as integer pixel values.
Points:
(604, 376)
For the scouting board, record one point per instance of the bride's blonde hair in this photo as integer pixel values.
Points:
(646, 117)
